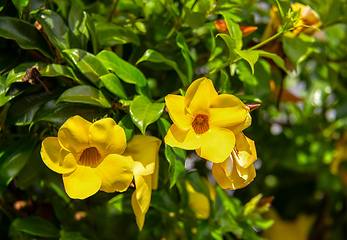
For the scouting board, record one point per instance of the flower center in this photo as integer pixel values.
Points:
(90, 157)
(200, 123)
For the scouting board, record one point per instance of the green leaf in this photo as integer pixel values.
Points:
(77, 23)
(57, 70)
(143, 112)
(17, 73)
(13, 158)
(110, 35)
(24, 107)
(194, 19)
(86, 95)
(57, 32)
(180, 41)
(114, 85)
(26, 35)
(154, 56)
(128, 126)
(175, 156)
(88, 64)
(277, 59)
(36, 226)
(124, 70)
(250, 56)
(20, 5)
(58, 113)
(231, 46)
(234, 30)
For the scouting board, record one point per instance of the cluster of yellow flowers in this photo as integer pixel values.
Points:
(96, 156)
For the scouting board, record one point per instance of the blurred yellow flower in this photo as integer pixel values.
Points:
(205, 121)
(198, 202)
(237, 171)
(144, 150)
(89, 156)
(307, 17)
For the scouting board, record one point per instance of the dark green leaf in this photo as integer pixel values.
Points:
(180, 41)
(58, 113)
(57, 32)
(124, 70)
(88, 64)
(231, 46)
(77, 23)
(113, 84)
(110, 35)
(86, 95)
(277, 59)
(143, 112)
(26, 35)
(56, 70)
(127, 125)
(13, 158)
(35, 226)
(154, 56)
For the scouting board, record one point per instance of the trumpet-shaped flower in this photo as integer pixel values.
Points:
(144, 151)
(205, 121)
(89, 156)
(237, 171)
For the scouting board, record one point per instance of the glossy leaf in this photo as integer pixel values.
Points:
(124, 70)
(128, 126)
(231, 46)
(58, 113)
(57, 32)
(114, 85)
(154, 56)
(180, 41)
(13, 158)
(25, 34)
(35, 226)
(57, 70)
(89, 65)
(86, 95)
(143, 112)
(277, 59)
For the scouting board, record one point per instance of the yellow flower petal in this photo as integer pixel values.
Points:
(155, 175)
(144, 150)
(240, 127)
(198, 202)
(247, 153)
(140, 216)
(74, 134)
(115, 172)
(178, 112)
(199, 95)
(107, 137)
(234, 181)
(143, 191)
(55, 157)
(185, 139)
(216, 144)
(81, 183)
(227, 111)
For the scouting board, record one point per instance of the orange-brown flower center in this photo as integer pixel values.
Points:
(90, 157)
(200, 124)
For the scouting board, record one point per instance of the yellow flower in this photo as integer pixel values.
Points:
(205, 121)
(198, 202)
(237, 171)
(144, 150)
(89, 156)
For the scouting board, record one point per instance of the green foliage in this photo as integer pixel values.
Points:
(120, 59)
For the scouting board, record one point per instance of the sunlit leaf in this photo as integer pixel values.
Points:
(123, 69)
(86, 95)
(143, 112)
